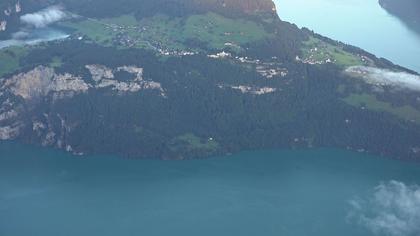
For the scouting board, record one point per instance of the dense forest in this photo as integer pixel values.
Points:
(172, 97)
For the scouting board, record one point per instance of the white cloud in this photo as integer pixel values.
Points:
(383, 77)
(392, 209)
(44, 17)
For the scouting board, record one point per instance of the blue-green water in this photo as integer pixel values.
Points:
(34, 36)
(314, 192)
(358, 22)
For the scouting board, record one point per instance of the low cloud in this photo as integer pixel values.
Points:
(391, 209)
(383, 77)
(44, 17)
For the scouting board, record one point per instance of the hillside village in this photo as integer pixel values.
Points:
(7, 13)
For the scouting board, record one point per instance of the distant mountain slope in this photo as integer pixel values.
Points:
(171, 7)
(406, 10)
(11, 10)
(179, 79)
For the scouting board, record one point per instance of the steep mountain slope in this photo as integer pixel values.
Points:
(186, 79)
(12, 10)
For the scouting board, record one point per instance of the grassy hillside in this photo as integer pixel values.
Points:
(162, 32)
(10, 59)
(370, 102)
(316, 51)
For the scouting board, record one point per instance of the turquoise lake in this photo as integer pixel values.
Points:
(362, 23)
(320, 192)
(309, 192)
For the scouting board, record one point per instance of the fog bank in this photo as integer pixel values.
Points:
(392, 209)
(44, 17)
(384, 77)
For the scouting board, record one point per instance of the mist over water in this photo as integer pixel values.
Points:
(392, 208)
(34, 36)
(384, 77)
(362, 23)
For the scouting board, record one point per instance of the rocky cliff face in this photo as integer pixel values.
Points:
(22, 95)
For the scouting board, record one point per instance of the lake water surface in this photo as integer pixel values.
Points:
(314, 192)
(362, 23)
(34, 36)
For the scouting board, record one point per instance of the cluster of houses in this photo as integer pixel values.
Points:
(124, 39)
(3, 25)
(8, 12)
(246, 89)
(177, 53)
(221, 55)
(316, 57)
(268, 70)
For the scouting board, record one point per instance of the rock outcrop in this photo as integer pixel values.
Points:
(23, 92)
(104, 78)
(41, 81)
